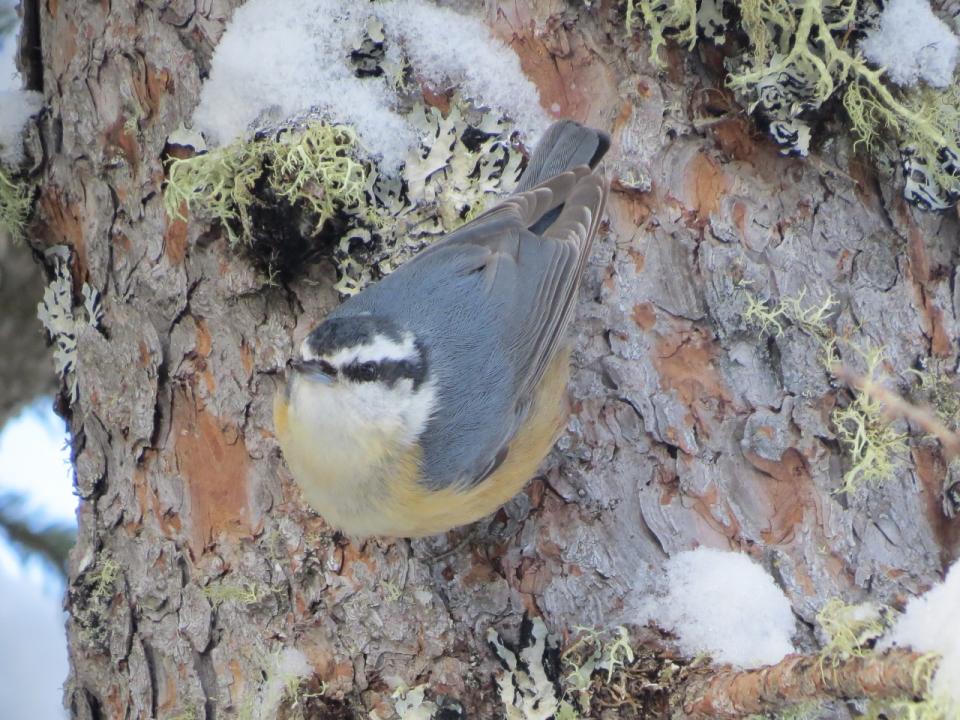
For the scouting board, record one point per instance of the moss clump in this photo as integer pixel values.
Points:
(16, 199)
(316, 168)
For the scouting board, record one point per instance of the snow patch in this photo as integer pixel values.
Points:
(930, 625)
(913, 44)
(278, 61)
(724, 604)
(16, 105)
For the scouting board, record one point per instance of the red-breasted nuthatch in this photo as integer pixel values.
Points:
(427, 400)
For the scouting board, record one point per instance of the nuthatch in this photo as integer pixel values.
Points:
(427, 400)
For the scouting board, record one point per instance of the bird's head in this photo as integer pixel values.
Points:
(362, 369)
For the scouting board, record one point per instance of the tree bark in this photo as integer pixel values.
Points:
(197, 563)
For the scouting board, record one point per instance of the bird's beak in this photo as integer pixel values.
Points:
(307, 369)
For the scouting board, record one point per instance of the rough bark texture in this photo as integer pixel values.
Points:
(196, 560)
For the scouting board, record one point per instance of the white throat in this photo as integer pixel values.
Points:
(344, 439)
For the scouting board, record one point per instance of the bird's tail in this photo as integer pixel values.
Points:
(565, 145)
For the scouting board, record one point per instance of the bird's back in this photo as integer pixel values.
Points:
(491, 301)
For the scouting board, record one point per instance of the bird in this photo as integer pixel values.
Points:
(428, 400)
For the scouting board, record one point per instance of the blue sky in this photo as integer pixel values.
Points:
(33, 659)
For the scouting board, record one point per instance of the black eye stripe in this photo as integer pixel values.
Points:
(387, 371)
(363, 372)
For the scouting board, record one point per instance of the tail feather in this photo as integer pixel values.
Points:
(564, 146)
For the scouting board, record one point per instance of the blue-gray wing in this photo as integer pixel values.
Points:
(499, 300)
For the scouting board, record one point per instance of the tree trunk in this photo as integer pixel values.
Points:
(197, 566)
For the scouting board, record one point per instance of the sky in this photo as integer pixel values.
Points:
(33, 659)
(35, 462)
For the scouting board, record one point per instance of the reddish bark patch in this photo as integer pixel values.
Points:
(623, 117)
(202, 349)
(735, 139)
(571, 81)
(684, 362)
(157, 84)
(917, 252)
(638, 258)
(723, 523)
(740, 218)
(940, 344)
(175, 237)
(787, 488)
(118, 139)
(213, 461)
(435, 98)
(644, 315)
(246, 357)
(707, 184)
(62, 226)
(931, 472)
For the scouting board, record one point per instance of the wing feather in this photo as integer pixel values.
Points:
(543, 272)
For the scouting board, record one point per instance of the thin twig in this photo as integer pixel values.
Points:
(733, 694)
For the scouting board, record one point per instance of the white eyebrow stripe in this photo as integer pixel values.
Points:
(379, 349)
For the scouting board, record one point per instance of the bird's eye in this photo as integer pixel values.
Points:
(367, 371)
(326, 368)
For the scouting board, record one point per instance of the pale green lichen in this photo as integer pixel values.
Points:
(246, 593)
(795, 55)
(871, 442)
(284, 673)
(660, 16)
(16, 200)
(851, 630)
(941, 391)
(595, 660)
(444, 184)
(926, 125)
(316, 166)
(771, 318)
(103, 578)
